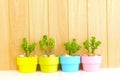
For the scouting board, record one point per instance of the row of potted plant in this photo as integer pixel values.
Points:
(48, 62)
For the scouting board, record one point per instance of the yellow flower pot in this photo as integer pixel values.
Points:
(49, 64)
(27, 64)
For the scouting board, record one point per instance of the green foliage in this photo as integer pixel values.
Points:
(91, 45)
(47, 45)
(28, 48)
(72, 47)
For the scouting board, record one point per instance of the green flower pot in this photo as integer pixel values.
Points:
(49, 64)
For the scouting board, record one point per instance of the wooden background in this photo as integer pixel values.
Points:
(63, 20)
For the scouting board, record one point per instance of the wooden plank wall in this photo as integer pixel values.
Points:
(113, 33)
(4, 35)
(62, 20)
(58, 23)
(97, 25)
(38, 21)
(77, 20)
(18, 28)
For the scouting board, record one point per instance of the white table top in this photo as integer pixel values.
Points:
(103, 74)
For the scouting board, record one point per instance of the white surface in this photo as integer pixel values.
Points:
(103, 74)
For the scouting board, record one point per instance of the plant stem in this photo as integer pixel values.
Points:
(46, 52)
(27, 54)
(93, 51)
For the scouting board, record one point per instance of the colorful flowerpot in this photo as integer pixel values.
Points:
(70, 63)
(27, 64)
(49, 64)
(91, 63)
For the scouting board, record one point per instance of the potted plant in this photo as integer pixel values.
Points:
(71, 61)
(92, 61)
(27, 62)
(48, 62)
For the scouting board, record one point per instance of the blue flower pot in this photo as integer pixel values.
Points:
(70, 63)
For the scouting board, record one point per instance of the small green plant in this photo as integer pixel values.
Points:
(47, 45)
(28, 48)
(72, 47)
(91, 45)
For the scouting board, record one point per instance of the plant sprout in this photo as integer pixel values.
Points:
(47, 45)
(28, 49)
(72, 47)
(91, 45)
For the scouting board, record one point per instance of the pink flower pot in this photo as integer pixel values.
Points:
(91, 63)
